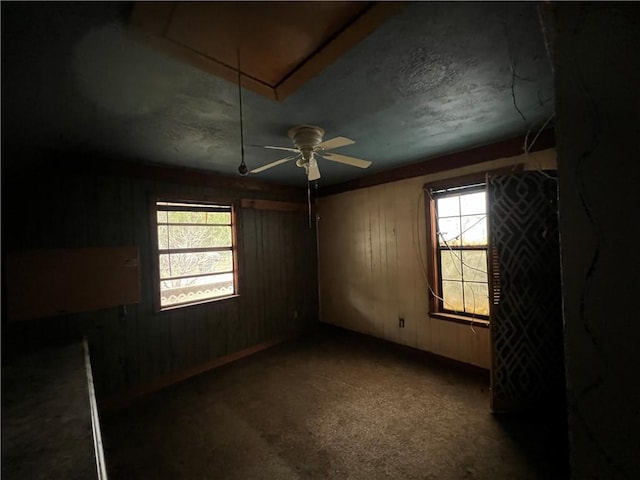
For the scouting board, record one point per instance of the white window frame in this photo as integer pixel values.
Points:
(209, 293)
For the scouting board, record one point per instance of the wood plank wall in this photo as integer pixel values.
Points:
(371, 271)
(278, 276)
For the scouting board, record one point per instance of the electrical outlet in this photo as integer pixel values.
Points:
(401, 322)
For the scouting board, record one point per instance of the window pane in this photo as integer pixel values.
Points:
(193, 236)
(476, 298)
(180, 264)
(450, 265)
(474, 230)
(452, 295)
(199, 217)
(196, 289)
(162, 217)
(163, 239)
(448, 206)
(474, 266)
(473, 203)
(449, 231)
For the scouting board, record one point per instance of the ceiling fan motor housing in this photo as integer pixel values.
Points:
(306, 136)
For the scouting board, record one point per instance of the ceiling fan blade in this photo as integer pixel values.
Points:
(336, 142)
(273, 164)
(355, 162)
(313, 172)
(278, 148)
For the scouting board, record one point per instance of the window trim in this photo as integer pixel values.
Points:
(433, 274)
(155, 250)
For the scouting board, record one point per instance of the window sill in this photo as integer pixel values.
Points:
(451, 317)
(195, 304)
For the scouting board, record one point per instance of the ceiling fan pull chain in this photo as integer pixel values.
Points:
(309, 201)
(242, 169)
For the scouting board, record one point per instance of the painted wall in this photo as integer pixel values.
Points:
(597, 67)
(372, 267)
(67, 210)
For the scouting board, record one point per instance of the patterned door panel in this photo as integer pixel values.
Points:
(526, 312)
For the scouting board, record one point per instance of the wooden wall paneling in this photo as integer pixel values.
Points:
(379, 310)
(325, 263)
(472, 345)
(109, 211)
(271, 325)
(388, 309)
(484, 351)
(352, 315)
(142, 346)
(150, 325)
(406, 215)
(342, 280)
(225, 320)
(282, 322)
(479, 348)
(391, 260)
(290, 295)
(197, 330)
(92, 205)
(424, 334)
(48, 234)
(338, 242)
(435, 336)
(113, 355)
(421, 307)
(202, 331)
(279, 284)
(263, 284)
(285, 320)
(192, 342)
(127, 215)
(177, 337)
(310, 271)
(23, 233)
(361, 284)
(252, 300)
(253, 321)
(73, 224)
(289, 289)
(109, 230)
(258, 330)
(313, 277)
(464, 336)
(448, 339)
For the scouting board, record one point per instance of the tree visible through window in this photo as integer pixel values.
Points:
(195, 252)
(461, 246)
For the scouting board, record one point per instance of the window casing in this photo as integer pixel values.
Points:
(196, 252)
(458, 243)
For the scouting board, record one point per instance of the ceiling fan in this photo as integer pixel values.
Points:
(307, 140)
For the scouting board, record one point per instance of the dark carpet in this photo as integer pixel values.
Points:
(333, 404)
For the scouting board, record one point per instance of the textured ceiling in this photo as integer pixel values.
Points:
(436, 78)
